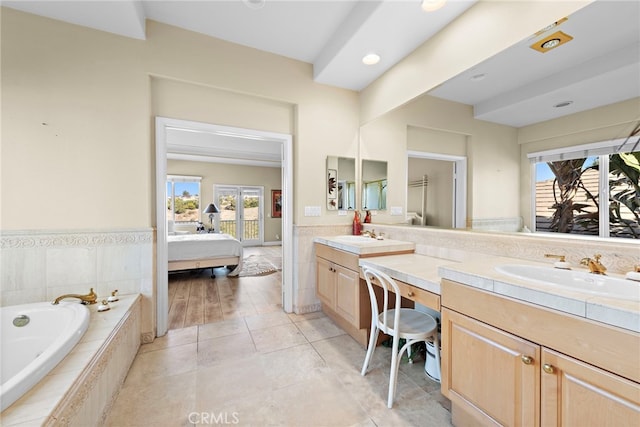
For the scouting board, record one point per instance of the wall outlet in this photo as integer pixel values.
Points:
(396, 210)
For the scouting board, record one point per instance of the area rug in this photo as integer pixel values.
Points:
(255, 265)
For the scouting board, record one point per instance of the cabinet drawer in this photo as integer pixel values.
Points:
(418, 295)
(343, 258)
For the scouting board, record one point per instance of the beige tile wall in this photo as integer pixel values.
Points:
(41, 265)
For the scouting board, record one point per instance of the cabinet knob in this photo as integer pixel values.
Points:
(527, 360)
(410, 294)
(549, 369)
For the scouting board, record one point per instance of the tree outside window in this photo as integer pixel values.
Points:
(183, 199)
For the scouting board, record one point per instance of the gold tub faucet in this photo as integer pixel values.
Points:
(594, 264)
(90, 298)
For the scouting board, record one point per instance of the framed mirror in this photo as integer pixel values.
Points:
(374, 185)
(341, 183)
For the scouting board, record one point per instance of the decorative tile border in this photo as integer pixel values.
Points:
(83, 238)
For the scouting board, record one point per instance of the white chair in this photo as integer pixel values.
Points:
(412, 325)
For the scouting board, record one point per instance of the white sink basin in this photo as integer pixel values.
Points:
(583, 281)
(355, 239)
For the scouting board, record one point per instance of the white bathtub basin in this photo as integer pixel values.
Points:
(35, 338)
(583, 281)
(355, 239)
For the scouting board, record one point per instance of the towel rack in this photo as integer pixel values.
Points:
(422, 183)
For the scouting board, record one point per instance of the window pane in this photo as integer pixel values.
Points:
(187, 201)
(227, 201)
(624, 195)
(567, 196)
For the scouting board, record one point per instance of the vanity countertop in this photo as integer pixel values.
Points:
(481, 273)
(425, 272)
(365, 246)
(420, 271)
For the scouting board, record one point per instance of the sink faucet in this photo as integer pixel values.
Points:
(368, 233)
(594, 264)
(90, 298)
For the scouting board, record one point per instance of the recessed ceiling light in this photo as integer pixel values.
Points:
(477, 77)
(550, 44)
(554, 40)
(431, 5)
(371, 59)
(563, 104)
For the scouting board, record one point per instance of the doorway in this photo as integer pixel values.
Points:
(452, 189)
(240, 214)
(166, 126)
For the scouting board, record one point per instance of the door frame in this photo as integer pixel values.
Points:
(459, 208)
(162, 284)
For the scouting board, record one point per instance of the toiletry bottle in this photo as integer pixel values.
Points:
(367, 217)
(357, 226)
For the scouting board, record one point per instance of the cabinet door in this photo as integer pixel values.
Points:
(326, 282)
(347, 294)
(577, 394)
(493, 376)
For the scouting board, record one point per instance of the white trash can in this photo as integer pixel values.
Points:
(431, 367)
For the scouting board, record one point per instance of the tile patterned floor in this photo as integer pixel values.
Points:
(271, 369)
(258, 366)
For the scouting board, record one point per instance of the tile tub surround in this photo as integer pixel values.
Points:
(41, 265)
(81, 389)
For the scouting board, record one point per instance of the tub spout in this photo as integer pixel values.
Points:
(90, 298)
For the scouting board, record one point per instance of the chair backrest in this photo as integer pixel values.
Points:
(387, 284)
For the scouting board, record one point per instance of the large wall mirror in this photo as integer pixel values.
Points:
(341, 183)
(374, 185)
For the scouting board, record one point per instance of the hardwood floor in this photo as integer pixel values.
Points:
(196, 298)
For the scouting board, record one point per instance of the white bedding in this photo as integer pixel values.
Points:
(186, 247)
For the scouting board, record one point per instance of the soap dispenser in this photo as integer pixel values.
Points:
(357, 226)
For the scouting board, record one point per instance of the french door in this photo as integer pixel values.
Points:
(241, 212)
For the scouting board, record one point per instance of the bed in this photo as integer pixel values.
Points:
(208, 250)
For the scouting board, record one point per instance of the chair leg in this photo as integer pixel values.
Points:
(372, 346)
(409, 355)
(393, 375)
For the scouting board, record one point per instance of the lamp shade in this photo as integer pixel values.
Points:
(211, 209)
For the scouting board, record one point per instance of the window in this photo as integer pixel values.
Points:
(183, 198)
(571, 186)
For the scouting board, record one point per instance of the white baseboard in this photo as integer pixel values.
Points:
(274, 243)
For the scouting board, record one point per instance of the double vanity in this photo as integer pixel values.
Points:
(522, 343)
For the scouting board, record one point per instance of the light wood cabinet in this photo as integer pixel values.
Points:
(348, 294)
(326, 283)
(489, 373)
(577, 394)
(344, 299)
(507, 362)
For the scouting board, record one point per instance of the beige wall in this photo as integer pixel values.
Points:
(492, 151)
(438, 193)
(225, 174)
(97, 94)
